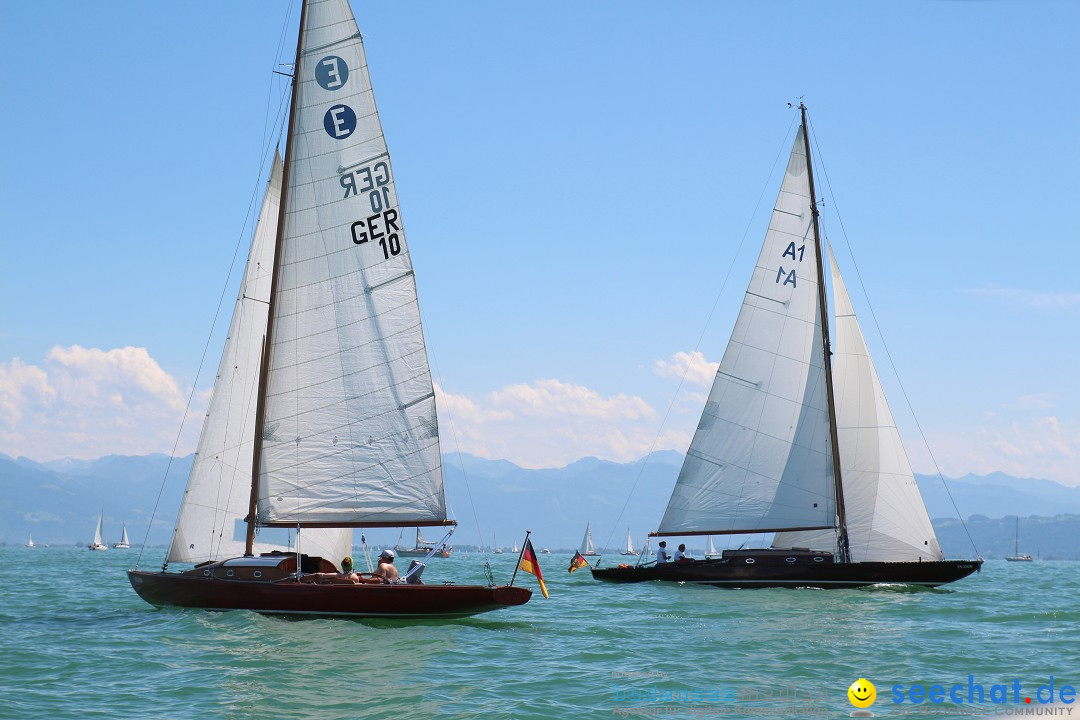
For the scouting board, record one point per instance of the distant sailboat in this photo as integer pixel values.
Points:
(495, 548)
(97, 544)
(123, 544)
(422, 548)
(587, 549)
(1018, 556)
(629, 550)
(30, 542)
(710, 549)
(545, 551)
(515, 549)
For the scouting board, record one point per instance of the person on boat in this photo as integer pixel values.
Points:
(347, 570)
(662, 556)
(386, 569)
(680, 554)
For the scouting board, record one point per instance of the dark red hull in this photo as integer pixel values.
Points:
(288, 597)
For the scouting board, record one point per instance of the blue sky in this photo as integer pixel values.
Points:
(576, 181)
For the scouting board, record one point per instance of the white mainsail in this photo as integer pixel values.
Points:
(710, 548)
(629, 544)
(587, 541)
(886, 517)
(350, 434)
(211, 524)
(761, 458)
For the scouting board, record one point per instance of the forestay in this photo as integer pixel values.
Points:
(350, 435)
(761, 457)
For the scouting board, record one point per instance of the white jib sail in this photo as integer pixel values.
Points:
(761, 457)
(211, 524)
(350, 433)
(587, 541)
(886, 517)
(97, 530)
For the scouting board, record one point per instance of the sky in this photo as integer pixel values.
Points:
(585, 189)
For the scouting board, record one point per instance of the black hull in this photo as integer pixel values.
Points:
(763, 571)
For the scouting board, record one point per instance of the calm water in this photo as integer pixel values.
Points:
(78, 643)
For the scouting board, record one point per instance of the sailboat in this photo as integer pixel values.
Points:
(629, 549)
(324, 394)
(423, 548)
(495, 548)
(97, 544)
(710, 549)
(587, 549)
(30, 541)
(1018, 556)
(124, 544)
(796, 440)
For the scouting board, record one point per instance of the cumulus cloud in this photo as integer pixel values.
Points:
(88, 402)
(1024, 438)
(693, 366)
(550, 423)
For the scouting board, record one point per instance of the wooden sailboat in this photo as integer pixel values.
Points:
(97, 544)
(797, 441)
(124, 543)
(629, 549)
(587, 548)
(324, 391)
(1018, 556)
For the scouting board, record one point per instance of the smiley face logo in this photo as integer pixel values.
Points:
(862, 693)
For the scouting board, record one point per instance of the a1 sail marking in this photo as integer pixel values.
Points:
(787, 276)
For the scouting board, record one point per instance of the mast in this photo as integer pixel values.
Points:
(842, 535)
(264, 376)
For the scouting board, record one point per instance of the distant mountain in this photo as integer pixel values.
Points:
(59, 502)
(61, 507)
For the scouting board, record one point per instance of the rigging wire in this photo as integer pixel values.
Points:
(701, 337)
(881, 336)
(217, 312)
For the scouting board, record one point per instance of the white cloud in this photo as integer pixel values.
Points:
(1032, 299)
(550, 423)
(692, 366)
(88, 402)
(1021, 438)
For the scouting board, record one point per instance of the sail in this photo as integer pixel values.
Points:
(761, 458)
(629, 543)
(587, 541)
(124, 537)
(97, 530)
(349, 429)
(710, 547)
(886, 517)
(211, 524)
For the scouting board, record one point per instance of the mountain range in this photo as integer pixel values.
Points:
(59, 502)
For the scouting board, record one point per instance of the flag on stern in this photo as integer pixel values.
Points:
(530, 565)
(577, 562)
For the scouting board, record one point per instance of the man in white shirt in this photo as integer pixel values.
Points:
(680, 554)
(661, 554)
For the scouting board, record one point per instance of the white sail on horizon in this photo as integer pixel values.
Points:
(350, 432)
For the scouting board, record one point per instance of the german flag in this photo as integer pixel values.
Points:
(577, 562)
(530, 565)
